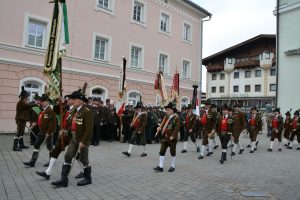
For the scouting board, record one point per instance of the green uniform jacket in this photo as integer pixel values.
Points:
(84, 125)
(142, 122)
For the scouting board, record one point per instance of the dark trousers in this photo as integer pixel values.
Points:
(253, 132)
(36, 131)
(149, 134)
(96, 134)
(224, 138)
(182, 133)
(40, 139)
(111, 132)
(205, 137)
(72, 151)
(59, 147)
(164, 144)
(137, 138)
(295, 133)
(20, 127)
(126, 132)
(276, 135)
(188, 134)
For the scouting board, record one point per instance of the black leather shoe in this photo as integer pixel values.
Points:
(252, 151)
(158, 169)
(298, 148)
(126, 153)
(84, 182)
(200, 157)
(241, 151)
(281, 150)
(29, 163)
(43, 174)
(249, 145)
(61, 183)
(269, 149)
(289, 147)
(183, 151)
(172, 169)
(215, 147)
(144, 154)
(232, 154)
(209, 153)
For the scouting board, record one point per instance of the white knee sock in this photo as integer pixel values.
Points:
(173, 161)
(130, 148)
(203, 150)
(185, 145)
(280, 144)
(51, 164)
(234, 147)
(161, 161)
(240, 146)
(253, 146)
(210, 145)
(271, 144)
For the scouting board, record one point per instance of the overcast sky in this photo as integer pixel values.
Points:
(234, 21)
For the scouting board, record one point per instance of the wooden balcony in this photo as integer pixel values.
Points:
(246, 64)
(215, 68)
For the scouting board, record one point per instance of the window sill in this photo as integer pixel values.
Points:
(136, 68)
(99, 60)
(143, 24)
(41, 49)
(165, 33)
(99, 9)
(187, 41)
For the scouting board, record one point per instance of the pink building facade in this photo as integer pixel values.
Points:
(151, 34)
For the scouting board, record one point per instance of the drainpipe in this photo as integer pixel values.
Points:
(201, 46)
(277, 52)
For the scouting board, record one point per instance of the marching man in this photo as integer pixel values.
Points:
(295, 130)
(255, 128)
(239, 126)
(208, 121)
(168, 130)
(190, 129)
(224, 128)
(277, 127)
(139, 123)
(47, 123)
(82, 131)
(288, 123)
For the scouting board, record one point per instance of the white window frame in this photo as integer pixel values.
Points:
(29, 16)
(170, 23)
(188, 101)
(183, 33)
(110, 10)
(142, 48)
(130, 91)
(190, 69)
(102, 88)
(35, 80)
(144, 13)
(107, 56)
(167, 70)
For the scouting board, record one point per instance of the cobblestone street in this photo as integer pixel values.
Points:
(275, 174)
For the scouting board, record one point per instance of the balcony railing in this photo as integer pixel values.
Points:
(215, 67)
(246, 64)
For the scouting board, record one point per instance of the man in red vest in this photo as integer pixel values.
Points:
(224, 128)
(277, 127)
(255, 128)
(295, 130)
